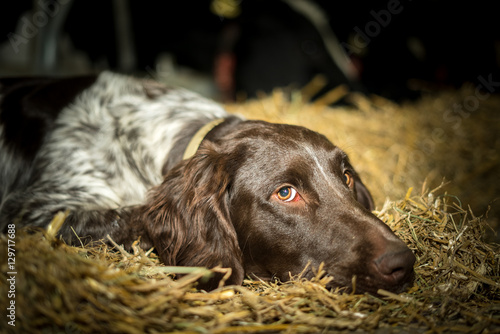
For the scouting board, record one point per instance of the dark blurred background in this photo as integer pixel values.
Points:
(232, 48)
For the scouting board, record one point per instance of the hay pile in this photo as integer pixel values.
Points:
(63, 289)
(96, 290)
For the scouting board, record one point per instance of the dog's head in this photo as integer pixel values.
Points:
(267, 199)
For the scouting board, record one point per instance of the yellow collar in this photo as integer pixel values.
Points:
(196, 140)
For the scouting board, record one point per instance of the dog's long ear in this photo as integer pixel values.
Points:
(187, 216)
(363, 195)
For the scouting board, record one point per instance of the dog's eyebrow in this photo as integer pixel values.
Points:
(329, 180)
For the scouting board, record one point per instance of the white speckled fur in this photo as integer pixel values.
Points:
(106, 151)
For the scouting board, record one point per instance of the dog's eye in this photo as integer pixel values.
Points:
(287, 194)
(348, 179)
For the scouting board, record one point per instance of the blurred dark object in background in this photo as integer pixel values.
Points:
(222, 48)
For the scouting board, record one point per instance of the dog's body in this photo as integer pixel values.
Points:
(257, 197)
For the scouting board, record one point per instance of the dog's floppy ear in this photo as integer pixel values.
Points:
(187, 217)
(363, 195)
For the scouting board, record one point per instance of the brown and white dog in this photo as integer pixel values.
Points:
(260, 198)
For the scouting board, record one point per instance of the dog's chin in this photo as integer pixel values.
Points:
(369, 286)
(354, 285)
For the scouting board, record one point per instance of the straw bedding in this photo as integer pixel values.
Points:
(103, 289)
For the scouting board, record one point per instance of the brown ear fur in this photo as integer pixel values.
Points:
(187, 216)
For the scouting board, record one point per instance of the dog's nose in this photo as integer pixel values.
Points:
(395, 265)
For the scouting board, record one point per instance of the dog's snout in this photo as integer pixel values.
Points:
(395, 265)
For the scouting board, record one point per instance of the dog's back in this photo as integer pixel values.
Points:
(88, 143)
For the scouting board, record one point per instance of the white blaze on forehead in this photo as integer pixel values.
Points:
(329, 180)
